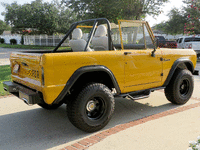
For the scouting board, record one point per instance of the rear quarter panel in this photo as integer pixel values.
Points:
(171, 55)
(59, 67)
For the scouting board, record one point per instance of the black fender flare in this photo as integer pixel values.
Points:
(75, 76)
(179, 61)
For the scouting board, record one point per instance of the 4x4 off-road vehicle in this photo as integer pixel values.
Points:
(105, 60)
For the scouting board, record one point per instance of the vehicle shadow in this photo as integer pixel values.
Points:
(42, 129)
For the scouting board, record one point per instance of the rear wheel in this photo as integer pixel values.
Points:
(180, 88)
(92, 108)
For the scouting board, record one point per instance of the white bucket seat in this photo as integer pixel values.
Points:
(77, 44)
(100, 39)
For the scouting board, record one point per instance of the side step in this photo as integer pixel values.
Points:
(137, 95)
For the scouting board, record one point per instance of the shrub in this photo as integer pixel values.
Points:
(22, 40)
(13, 41)
(2, 40)
(194, 145)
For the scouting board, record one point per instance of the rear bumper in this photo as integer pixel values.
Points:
(27, 95)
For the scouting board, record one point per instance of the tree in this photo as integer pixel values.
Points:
(65, 17)
(115, 9)
(3, 27)
(185, 21)
(192, 10)
(163, 26)
(38, 17)
(177, 19)
(175, 24)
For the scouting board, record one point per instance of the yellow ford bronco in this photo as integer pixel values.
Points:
(105, 60)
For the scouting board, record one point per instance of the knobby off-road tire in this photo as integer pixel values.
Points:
(180, 88)
(50, 107)
(92, 109)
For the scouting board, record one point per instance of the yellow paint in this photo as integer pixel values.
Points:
(79, 26)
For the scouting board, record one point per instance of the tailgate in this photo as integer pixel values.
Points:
(26, 69)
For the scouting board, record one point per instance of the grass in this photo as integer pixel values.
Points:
(32, 47)
(5, 75)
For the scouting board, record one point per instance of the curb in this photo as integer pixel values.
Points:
(87, 142)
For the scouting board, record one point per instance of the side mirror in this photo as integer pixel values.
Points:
(155, 43)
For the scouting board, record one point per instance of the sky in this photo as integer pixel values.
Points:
(152, 21)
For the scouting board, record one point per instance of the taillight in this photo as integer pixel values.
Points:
(190, 46)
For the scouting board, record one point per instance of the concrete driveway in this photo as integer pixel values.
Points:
(26, 127)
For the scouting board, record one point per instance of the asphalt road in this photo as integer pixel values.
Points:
(5, 52)
(24, 127)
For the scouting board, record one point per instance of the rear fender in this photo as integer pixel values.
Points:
(81, 71)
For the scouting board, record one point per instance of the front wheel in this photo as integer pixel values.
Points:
(92, 108)
(180, 88)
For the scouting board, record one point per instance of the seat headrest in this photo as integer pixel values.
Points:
(77, 34)
(101, 31)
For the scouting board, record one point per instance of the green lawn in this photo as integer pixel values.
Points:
(32, 47)
(5, 75)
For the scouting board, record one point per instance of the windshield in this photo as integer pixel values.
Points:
(131, 35)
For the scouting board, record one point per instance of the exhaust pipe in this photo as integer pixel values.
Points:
(26, 101)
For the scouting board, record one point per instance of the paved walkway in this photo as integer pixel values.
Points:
(4, 61)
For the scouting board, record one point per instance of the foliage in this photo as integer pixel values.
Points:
(194, 145)
(65, 18)
(3, 27)
(177, 21)
(2, 40)
(115, 9)
(5, 75)
(37, 17)
(175, 25)
(183, 21)
(193, 12)
(13, 41)
(161, 27)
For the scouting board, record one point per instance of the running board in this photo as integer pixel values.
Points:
(136, 95)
